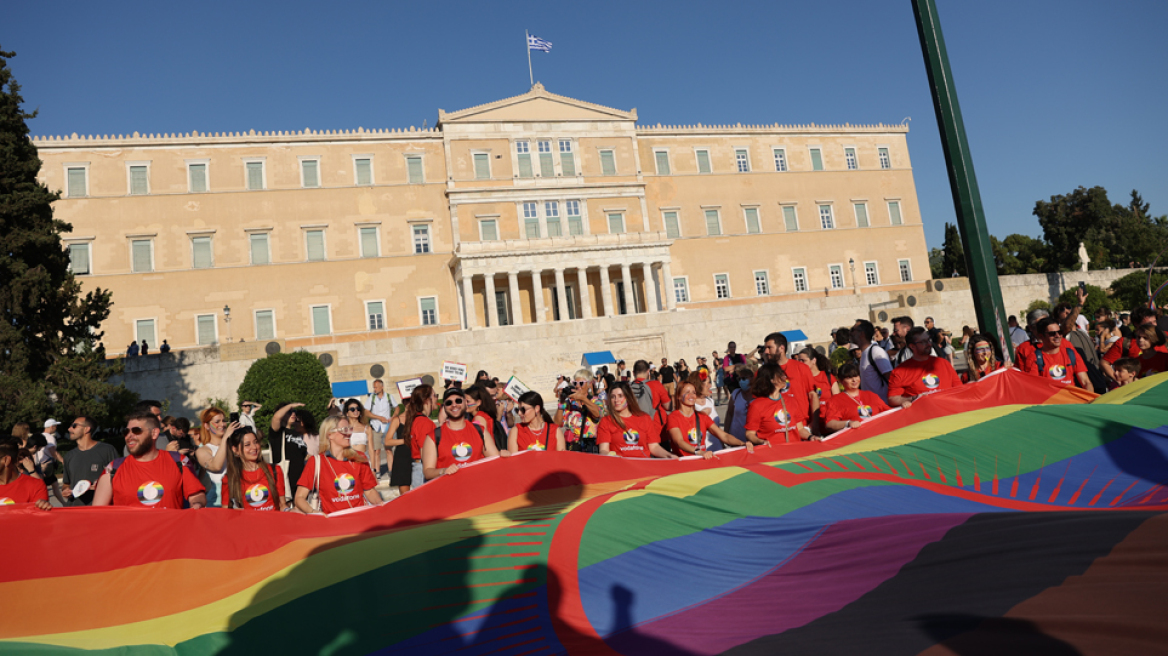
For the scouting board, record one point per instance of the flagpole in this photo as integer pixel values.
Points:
(527, 45)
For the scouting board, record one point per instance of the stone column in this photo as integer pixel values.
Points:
(468, 301)
(561, 294)
(651, 304)
(627, 282)
(667, 284)
(606, 292)
(585, 297)
(537, 291)
(516, 308)
(492, 306)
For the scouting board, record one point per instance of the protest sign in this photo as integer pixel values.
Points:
(515, 388)
(454, 371)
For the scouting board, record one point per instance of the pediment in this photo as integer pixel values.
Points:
(537, 105)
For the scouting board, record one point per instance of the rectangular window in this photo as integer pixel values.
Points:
(314, 245)
(621, 306)
(144, 331)
(310, 173)
(551, 212)
(790, 220)
(885, 161)
(429, 310)
(762, 283)
(260, 252)
(502, 315)
(489, 230)
(79, 259)
(322, 323)
(905, 271)
(870, 274)
(531, 220)
(547, 165)
(672, 227)
(369, 242)
(364, 169)
(861, 215)
(836, 272)
(816, 160)
(680, 290)
(800, 276)
(205, 325)
(722, 285)
(139, 184)
(197, 178)
(201, 257)
(607, 162)
(780, 159)
(421, 239)
(742, 160)
(703, 161)
(825, 219)
(713, 224)
(142, 254)
(616, 223)
(752, 225)
(482, 166)
(523, 153)
(375, 311)
(662, 159)
(575, 221)
(850, 158)
(255, 175)
(265, 324)
(77, 182)
(414, 169)
(567, 159)
(894, 212)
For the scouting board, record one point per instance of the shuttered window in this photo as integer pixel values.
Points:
(752, 224)
(607, 162)
(198, 177)
(321, 322)
(265, 324)
(144, 331)
(375, 311)
(816, 160)
(260, 252)
(314, 245)
(138, 182)
(531, 220)
(414, 168)
(429, 307)
(77, 183)
(704, 161)
(201, 253)
(894, 212)
(662, 158)
(713, 226)
(523, 153)
(567, 159)
(616, 223)
(861, 215)
(482, 166)
(369, 242)
(547, 165)
(551, 213)
(255, 175)
(142, 252)
(575, 221)
(310, 170)
(789, 219)
(364, 172)
(672, 228)
(490, 230)
(205, 324)
(79, 259)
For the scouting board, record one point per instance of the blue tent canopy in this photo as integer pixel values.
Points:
(598, 358)
(350, 389)
(795, 335)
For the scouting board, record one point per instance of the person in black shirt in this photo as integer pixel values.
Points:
(293, 440)
(667, 376)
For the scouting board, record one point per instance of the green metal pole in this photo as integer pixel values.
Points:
(975, 238)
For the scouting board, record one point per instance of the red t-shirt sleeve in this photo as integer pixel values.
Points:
(660, 394)
(278, 473)
(309, 474)
(950, 375)
(899, 381)
(878, 404)
(365, 477)
(604, 431)
(835, 408)
(754, 413)
(1115, 352)
(654, 429)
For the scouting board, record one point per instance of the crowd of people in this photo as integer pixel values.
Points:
(771, 397)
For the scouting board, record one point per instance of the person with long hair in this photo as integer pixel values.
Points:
(213, 430)
(293, 440)
(340, 476)
(822, 381)
(981, 354)
(535, 431)
(251, 483)
(627, 431)
(415, 427)
(690, 429)
(852, 406)
(1152, 361)
(776, 415)
(482, 411)
(355, 412)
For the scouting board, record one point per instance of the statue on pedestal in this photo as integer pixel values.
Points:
(1083, 259)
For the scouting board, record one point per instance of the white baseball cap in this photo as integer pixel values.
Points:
(49, 423)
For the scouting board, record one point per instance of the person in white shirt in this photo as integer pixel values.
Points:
(874, 362)
(49, 453)
(1017, 334)
(247, 411)
(380, 408)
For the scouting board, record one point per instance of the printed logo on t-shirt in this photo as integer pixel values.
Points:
(865, 411)
(344, 483)
(693, 437)
(257, 494)
(535, 446)
(1057, 371)
(150, 493)
(819, 392)
(781, 417)
(931, 381)
(786, 387)
(5, 501)
(632, 436)
(461, 451)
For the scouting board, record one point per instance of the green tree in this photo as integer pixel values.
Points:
(953, 257)
(286, 378)
(1017, 254)
(48, 363)
(1114, 235)
(1034, 305)
(935, 257)
(1096, 298)
(1131, 291)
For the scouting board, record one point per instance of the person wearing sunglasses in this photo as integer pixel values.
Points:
(340, 476)
(981, 356)
(456, 442)
(85, 462)
(535, 431)
(148, 478)
(920, 374)
(1053, 358)
(354, 411)
(578, 412)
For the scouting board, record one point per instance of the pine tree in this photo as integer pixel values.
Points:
(953, 258)
(49, 366)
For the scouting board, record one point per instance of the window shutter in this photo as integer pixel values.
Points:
(672, 229)
(137, 180)
(662, 163)
(320, 321)
(255, 175)
(482, 166)
(790, 219)
(311, 173)
(547, 165)
(568, 163)
(259, 249)
(429, 311)
(142, 260)
(894, 212)
(79, 258)
(816, 160)
(704, 161)
(368, 242)
(861, 215)
(607, 162)
(202, 252)
(376, 312)
(144, 330)
(490, 231)
(364, 172)
(206, 325)
(712, 227)
(77, 183)
(616, 223)
(414, 164)
(752, 225)
(315, 241)
(198, 177)
(265, 325)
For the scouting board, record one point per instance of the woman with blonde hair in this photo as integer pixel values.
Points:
(213, 430)
(340, 476)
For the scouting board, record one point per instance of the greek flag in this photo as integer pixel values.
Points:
(536, 43)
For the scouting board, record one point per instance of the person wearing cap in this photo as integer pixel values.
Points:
(456, 442)
(85, 462)
(49, 453)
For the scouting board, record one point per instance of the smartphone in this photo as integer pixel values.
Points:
(1083, 286)
(234, 416)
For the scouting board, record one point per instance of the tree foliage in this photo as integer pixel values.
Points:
(1034, 305)
(1114, 235)
(1017, 254)
(48, 363)
(1131, 291)
(1096, 298)
(953, 253)
(286, 378)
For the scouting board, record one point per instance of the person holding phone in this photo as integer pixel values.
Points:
(578, 412)
(211, 455)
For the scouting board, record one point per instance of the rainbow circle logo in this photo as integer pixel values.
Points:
(150, 493)
(692, 436)
(632, 436)
(931, 381)
(865, 411)
(256, 494)
(786, 387)
(781, 417)
(344, 483)
(5, 501)
(461, 451)
(535, 446)
(1058, 372)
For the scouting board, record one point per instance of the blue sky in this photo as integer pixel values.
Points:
(1055, 93)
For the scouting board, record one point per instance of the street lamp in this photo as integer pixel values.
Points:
(227, 318)
(855, 284)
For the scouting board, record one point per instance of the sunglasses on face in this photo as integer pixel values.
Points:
(353, 409)
(344, 431)
(452, 402)
(983, 349)
(1054, 333)
(525, 410)
(137, 430)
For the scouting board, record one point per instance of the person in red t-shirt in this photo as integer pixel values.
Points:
(981, 355)
(535, 431)
(1058, 361)
(922, 373)
(148, 478)
(662, 404)
(340, 476)
(627, 431)
(1141, 316)
(853, 406)
(250, 483)
(459, 441)
(1151, 360)
(688, 428)
(775, 415)
(15, 486)
(806, 400)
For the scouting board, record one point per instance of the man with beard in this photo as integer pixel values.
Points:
(86, 462)
(456, 442)
(148, 478)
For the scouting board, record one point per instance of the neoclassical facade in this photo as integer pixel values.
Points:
(532, 209)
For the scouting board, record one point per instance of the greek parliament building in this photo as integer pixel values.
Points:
(538, 218)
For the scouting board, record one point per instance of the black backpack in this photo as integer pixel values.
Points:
(644, 396)
(478, 429)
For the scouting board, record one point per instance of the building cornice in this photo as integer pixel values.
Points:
(251, 137)
(776, 128)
